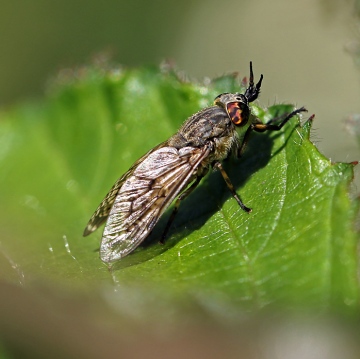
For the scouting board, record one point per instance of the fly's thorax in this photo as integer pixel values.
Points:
(225, 145)
(202, 127)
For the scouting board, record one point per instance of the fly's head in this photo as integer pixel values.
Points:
(236, 104)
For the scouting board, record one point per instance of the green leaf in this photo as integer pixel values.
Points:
(60, 156)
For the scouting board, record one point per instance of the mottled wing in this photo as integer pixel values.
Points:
(103, 210)
(145, 194)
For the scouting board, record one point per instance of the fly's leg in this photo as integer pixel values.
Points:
(258, 126)
(269, 126)
(218, 165)
(176, 207)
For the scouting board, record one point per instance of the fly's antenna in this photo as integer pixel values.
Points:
(252, 92)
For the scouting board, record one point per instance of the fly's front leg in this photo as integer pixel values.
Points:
(218, 165)
(245, 140)
(258, 126)
(269, 126)
(176, 207)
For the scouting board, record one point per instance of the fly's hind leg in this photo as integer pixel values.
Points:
(218, 165)
(177, 205)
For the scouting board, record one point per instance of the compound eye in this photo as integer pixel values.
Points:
(238, 113)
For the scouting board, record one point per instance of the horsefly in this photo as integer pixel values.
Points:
(174, 168)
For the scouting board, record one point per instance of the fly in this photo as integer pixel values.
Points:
(174, 168)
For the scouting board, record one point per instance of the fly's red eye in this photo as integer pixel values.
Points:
(238, 112)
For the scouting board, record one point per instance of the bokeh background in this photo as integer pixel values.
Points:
(303, 48)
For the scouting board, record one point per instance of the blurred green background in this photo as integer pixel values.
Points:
(299, 46)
